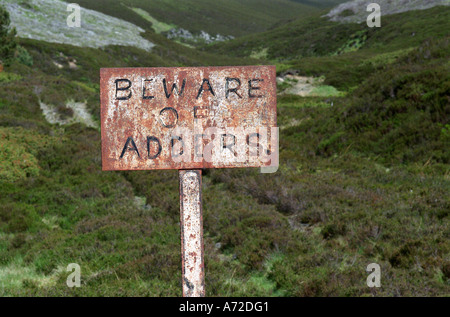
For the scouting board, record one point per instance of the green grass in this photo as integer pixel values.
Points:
(321, 3)
(9, 77)
(18, 155)
(157, 26)
(326, 91)
(381, 60)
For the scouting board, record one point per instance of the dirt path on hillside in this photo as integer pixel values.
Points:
(301, 85)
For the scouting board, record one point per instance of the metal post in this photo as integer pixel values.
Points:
(191, 222)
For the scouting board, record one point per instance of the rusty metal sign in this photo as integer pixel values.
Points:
(188, 118)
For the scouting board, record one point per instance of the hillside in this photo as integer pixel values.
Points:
(320, 3)
(364, 174)
(319, 47)
(225, 17)
(30, 18)
(318, 36)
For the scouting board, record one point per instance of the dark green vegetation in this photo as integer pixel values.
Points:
(7, 41)
(320, 3)
(343, 53)
(226, 17)
(363, 179)
(316, 36)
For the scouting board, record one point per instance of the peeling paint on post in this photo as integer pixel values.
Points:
(191, 222)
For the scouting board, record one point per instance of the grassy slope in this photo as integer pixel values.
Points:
(226, 17)
(316, 46)
(317, 36)
(320, 3)
(54, 206)
(364, 181)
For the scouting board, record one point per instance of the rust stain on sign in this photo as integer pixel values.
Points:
(188, 118)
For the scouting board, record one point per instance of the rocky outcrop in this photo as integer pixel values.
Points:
(186, 36)
(46, 20)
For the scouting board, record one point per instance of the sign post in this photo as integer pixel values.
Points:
(189, 119)
(191, 222)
